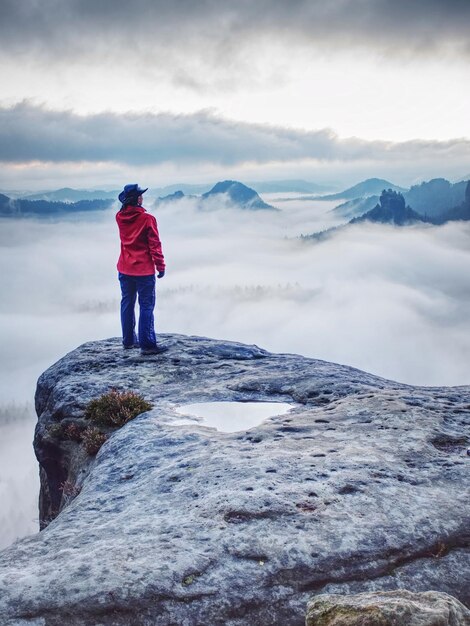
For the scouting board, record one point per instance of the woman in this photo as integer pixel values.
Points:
(141, 254)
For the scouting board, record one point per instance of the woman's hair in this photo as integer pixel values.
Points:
(130, 201)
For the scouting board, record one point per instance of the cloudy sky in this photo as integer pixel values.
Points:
(166, 91)
(98, 93)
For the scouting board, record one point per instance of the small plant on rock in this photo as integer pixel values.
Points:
(73, 432)
(55, 430)
(69, 491)
(116, 408)
(93, 439)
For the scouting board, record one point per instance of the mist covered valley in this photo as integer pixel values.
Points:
(391, 301)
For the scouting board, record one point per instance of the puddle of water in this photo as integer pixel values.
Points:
(231, 417)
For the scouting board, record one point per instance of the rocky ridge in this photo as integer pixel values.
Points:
(361, 487)
(19, 207)
(369, 187)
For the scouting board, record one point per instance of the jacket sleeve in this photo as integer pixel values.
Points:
(155, 245)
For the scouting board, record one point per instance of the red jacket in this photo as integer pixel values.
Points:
(141, 249)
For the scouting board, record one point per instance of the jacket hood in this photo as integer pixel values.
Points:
(130, 214)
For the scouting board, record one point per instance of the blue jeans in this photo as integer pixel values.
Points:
(144, 287)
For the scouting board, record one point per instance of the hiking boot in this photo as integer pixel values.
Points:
(156, 350)
(131, 347)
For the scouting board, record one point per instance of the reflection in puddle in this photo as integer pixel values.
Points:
(231, 417)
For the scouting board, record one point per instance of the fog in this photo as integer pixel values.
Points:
(394, 302)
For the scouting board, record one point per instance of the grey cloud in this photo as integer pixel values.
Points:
(31, 133)
(216, 30)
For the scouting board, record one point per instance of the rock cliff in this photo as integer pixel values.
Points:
(361, 487)
(391, 209)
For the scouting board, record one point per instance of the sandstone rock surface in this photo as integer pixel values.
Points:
(361, 487)
(389, 608)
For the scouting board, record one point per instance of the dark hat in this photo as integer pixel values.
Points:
(131, 193)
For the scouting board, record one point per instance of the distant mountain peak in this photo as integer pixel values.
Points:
(224, 186)
(368, 187)
(241, 195)
(172, 197)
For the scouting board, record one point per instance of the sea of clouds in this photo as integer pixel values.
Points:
(392, 301)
